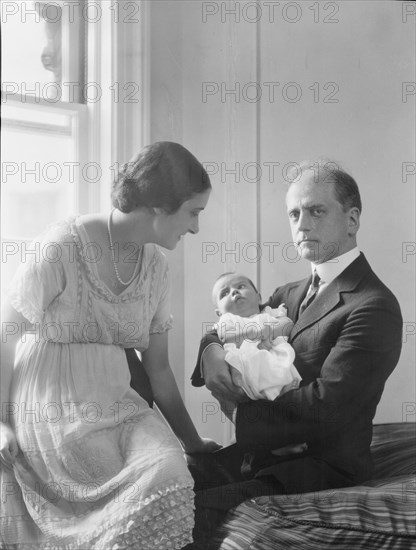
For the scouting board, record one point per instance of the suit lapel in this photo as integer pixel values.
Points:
(296, 298)
(330, 296)
(321, 306)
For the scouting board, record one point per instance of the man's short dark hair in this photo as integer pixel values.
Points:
(345, 187)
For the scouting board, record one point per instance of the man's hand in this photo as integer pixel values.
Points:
(217, 376)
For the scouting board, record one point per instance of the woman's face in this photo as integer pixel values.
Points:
(170, 228)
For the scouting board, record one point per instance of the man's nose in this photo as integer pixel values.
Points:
(234, 291)
(304, 221)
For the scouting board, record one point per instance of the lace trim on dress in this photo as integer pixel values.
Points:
(26, 310)
(153, 281)
(136, 289)
(162, 327)
(163, 521)
(20, 303)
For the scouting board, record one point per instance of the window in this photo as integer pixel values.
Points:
(69, 92)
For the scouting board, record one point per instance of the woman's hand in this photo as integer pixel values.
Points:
(8, 445)
(204, 445)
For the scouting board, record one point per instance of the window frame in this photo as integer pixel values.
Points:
(102, 130)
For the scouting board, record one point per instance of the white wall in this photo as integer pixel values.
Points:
(368, 54)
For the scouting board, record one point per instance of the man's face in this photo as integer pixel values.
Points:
(320, 227)
(234, 294)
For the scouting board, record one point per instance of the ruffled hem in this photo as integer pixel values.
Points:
(163, 521)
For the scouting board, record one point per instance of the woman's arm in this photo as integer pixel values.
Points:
(167, 397)
(13, 324)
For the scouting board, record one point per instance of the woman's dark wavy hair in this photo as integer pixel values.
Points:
(162, 175)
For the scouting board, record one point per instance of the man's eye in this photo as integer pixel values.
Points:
(293, 215)
(317, 211)
(241, 285)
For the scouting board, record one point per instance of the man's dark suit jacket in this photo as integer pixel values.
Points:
(347, 342)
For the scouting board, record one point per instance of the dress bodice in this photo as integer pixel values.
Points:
(59, 290)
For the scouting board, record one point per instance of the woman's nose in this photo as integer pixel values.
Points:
(194, 229)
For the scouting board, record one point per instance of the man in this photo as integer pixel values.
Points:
(347, 339)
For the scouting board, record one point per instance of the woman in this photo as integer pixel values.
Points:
(85, 462)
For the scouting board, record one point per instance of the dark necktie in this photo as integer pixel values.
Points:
(311, 294)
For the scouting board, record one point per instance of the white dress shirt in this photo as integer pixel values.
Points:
(328, 271)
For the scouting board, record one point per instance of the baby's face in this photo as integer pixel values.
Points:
(234, 294)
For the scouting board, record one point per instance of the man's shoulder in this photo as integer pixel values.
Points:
(374, 288)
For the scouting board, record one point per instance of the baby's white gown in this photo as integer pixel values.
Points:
(264, 373)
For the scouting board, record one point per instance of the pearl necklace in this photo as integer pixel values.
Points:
(119, 279)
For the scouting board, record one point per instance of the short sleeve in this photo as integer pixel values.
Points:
(38, 280)
(162, 319)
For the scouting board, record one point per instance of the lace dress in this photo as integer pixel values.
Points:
(98, 469)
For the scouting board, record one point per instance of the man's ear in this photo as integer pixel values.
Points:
(354, 220)
(218, 312)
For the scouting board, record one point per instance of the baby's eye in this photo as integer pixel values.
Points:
(223, 293)
(242, 285)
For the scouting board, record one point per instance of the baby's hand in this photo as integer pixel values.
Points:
(267, 337)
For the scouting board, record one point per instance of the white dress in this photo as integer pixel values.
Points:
(98, 469)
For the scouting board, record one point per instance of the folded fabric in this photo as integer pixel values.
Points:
(264, 373)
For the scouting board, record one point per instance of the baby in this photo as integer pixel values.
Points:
(255, 340)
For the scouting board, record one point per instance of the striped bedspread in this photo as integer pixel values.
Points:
(380, 514)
